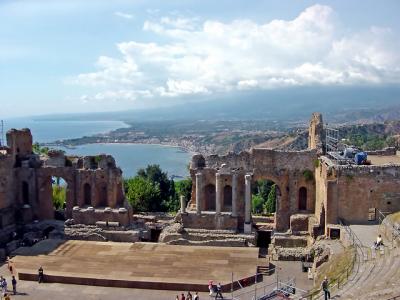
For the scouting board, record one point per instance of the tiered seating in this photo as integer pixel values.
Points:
(377, 278)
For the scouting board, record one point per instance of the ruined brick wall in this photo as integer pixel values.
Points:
(348, 192)
(316, 132)
(290, 170)
(360, 188)
(7, 180)
(20, 142)
(26, 181)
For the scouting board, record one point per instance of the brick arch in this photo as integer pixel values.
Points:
(282, 214)
(281, 191)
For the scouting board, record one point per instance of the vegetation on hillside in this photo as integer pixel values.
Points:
(37, 149)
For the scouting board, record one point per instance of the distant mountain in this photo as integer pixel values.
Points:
(338, 104)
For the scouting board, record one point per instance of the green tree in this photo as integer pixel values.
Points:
(155, 175)
(59, 196)
(270, 205)
(143, 194)
(257, 202)
(184, 187)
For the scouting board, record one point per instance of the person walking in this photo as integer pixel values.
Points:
(196, 296)
(4, 287)
(219, 292)
(14, 284)
(189, 296)
(40, 275)
(325, 288)
(10, 265)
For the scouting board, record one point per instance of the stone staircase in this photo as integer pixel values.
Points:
(375, 276)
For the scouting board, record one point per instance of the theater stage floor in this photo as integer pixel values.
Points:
(140, 265)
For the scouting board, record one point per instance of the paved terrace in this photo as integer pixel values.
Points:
(384, 159)
(140, 265)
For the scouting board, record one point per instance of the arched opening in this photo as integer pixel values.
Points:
(227, 198)
(303, 198)
(25, 192)
(103, 196)
(59, 196)
(209, 197)
(87, 194)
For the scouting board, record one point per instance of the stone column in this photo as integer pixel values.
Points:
(247, 209)
(234, 194)
(218, 193)
(183, 204)
(199, 187)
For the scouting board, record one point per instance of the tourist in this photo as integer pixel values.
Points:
(10, 265)
(325, 288)
(189, 296)
(378, 242)
(210, 287)
(219, 291)
(177, 297)
(14, 285)
(196, 296)
(183, 297)
(40, 275)
(6, 297)
(3, 285)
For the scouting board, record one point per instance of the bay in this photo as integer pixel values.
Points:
(49, 131)
(132, 157)
(129, 157)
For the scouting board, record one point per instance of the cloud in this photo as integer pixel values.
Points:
(123, 15)
(211, 56)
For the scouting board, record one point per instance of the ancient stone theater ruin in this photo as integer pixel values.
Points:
(94, 186)
(315, 191)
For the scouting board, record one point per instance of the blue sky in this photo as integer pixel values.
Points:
(81, 56)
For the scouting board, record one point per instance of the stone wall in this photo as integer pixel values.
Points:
(289, 170)
(209, 221)
(348, 192)
(384, 152)
(26, 183)
(316, 133)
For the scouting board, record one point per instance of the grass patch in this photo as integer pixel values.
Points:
(335, 269)
(395, 218)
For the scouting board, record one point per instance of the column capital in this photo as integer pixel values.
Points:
(248, 176)
(199, 174)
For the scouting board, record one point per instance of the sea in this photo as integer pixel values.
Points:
(129, 157)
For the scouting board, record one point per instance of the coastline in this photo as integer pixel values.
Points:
(183, 148)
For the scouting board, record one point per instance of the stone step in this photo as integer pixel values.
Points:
(385, 272)
(194, 230)
(382, 267)
(220, 243)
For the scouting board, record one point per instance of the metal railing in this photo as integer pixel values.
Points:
(256, 290)
(351, 270)
(389, 226)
